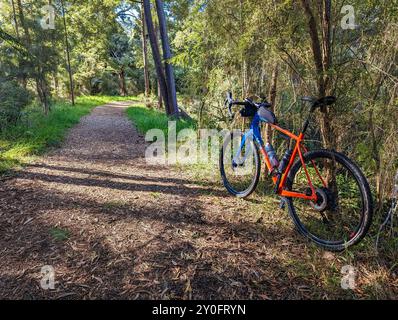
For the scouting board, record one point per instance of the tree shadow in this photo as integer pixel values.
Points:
(113, 175)
(111, 184)
(188, 254)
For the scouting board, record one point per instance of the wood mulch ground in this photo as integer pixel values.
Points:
(114, 227)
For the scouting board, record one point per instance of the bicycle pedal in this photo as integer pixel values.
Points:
(282, 204)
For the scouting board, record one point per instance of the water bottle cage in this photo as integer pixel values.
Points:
(274, 172)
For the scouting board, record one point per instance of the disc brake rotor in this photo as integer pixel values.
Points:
(325, 200)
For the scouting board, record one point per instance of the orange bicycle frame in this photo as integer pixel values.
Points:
(298, 150)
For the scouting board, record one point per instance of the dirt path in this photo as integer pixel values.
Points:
(113, 226)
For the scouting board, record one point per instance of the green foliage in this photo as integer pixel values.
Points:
(13, 99)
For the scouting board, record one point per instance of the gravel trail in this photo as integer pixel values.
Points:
(113, 226)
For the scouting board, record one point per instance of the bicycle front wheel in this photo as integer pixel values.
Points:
(343, 212)
(239, 165)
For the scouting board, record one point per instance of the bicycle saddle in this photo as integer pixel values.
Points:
(266, 115)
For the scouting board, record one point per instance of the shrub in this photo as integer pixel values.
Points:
(13, 99)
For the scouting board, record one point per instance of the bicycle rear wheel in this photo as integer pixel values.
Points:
(239, 165)
(343, 213)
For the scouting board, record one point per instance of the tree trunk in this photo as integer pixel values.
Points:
(172, 95)
(145, 54)
(244, 78)
(23, 24)
(315, 45)
(122, 83)
(243, 57)
(41, 83)
(71, 86)
(326, 127)
(272, 97)
(323, 63)
(42, 90)
(14, 16)
(23, 77)
(159, 91)
(375, 151)
(56, 83)
(160, 101)
(156, 54)
(326, 43)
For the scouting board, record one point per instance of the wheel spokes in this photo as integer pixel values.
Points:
(239, 163)
(342, 216)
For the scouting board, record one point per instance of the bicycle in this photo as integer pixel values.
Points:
(327, 195)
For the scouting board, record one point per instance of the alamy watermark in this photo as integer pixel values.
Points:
(186, 147)
(47, 21)
(348, 280)
(47, 281)
(348, 21)
(191, 147)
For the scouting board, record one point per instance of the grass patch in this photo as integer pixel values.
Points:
(37, 133)
(156, 195)
(59, 234)
(114, 205)
(146, 119)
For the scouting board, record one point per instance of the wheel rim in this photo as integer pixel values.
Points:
(342, 219)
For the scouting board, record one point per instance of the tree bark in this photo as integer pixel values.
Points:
(122, 83)
(244, 77)
(272, 97)
(56, 83)
(71, 86)
(323, 63)
(160, 98)
(23, 24)
(156, 55)
(42, 90)
(145, 54)
(172, 95)
(326, 43)
(41, 83)
(23, 76)
(326, 128)
(315, 45)
(14, 15)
